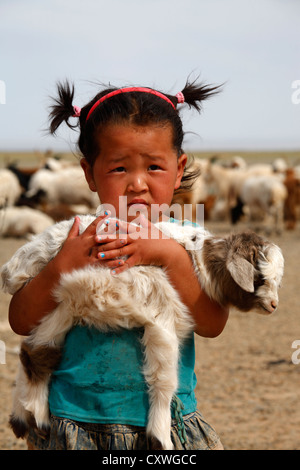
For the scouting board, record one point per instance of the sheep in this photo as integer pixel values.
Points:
(263, 195)
(57, 164)
(228, 182)
(240, 270)
(67, 186)
(10, 189)
(22, 175)
(238, 163)
(22, 221)
(279, 165)
(292, 201)
(198, 194)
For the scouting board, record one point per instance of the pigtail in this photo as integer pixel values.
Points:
(195, 93)
(63, 108)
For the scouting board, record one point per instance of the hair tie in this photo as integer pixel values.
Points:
(77, 111)
(180, 97)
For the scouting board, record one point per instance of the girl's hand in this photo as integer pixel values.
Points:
(79, 250)
(26, 309)
(153, 247)
(145, 245)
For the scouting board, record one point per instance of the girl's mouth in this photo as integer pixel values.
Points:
(138, 202)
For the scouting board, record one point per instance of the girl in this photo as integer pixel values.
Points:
(131, 145)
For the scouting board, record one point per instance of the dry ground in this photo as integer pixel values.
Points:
(248, 388)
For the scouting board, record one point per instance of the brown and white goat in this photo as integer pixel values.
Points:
(241, 270)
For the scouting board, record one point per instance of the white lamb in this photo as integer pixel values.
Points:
(10, 189)
(23, 222)
(266, 194)
(67, 185)
(240, 270)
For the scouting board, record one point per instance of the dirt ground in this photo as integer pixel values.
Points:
(248, 388)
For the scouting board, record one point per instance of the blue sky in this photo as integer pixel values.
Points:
(251, 45)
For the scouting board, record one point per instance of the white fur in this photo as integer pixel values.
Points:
(23, 221)
(66, 185)
(139, 297)
(266, 194)
(10, 189)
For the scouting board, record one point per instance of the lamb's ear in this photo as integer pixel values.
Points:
(242, 272)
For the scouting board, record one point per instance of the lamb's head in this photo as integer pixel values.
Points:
(257, 268)
(271, 268)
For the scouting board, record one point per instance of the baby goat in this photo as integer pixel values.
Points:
(240, 270)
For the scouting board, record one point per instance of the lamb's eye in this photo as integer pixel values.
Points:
(259, 282)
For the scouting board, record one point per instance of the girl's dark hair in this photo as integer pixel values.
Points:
(136, 108)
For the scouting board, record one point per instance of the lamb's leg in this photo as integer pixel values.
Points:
(30, 405)
(40, 354)
(160, 369)
(20, 419)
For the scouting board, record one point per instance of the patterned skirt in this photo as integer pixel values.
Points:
(66, 434)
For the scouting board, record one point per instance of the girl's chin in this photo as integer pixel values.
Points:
(135, 217)
(132, 213)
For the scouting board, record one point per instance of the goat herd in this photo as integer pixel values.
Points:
(265, 196)
(32, 200)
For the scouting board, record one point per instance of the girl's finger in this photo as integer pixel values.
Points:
(108, 227)
(115, 253)
(127, 227)
(123, 267)
(113, 264)
(74, 232)
(107, 243)
(91, 229)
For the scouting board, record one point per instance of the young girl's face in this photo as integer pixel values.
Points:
(138, 162)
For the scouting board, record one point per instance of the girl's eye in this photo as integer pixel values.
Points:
(118, 170)
(154, 167)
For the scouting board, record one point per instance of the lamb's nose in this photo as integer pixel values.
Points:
(274, 305)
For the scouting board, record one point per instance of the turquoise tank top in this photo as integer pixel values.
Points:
(100, 379)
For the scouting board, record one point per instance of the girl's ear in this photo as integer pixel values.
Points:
(88, 172)
(181, 162)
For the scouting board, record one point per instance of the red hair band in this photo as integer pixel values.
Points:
(127, 90)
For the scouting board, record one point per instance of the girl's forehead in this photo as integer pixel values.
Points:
(151, 138)
(142, 130)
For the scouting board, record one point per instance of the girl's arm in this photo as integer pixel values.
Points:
(35, 300)
(210, 318)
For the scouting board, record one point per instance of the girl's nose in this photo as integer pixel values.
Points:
(137, 184)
